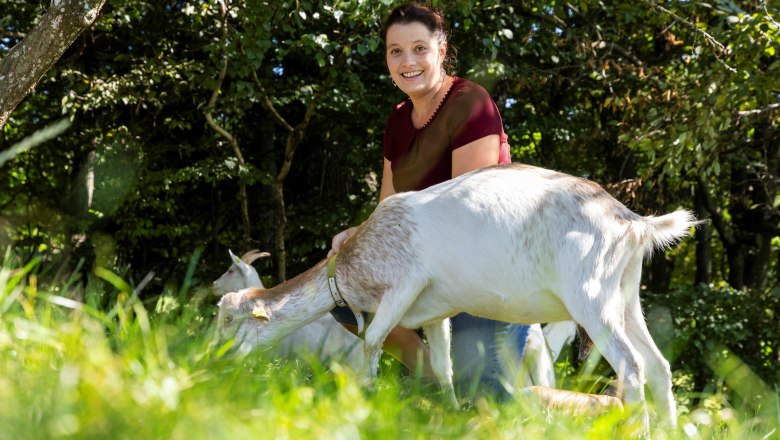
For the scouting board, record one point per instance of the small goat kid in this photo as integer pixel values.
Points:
(240, 274)
(512, 242)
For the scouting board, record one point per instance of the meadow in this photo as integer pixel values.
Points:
(93, 360)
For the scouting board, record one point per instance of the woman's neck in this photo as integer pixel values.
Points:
(424, 106)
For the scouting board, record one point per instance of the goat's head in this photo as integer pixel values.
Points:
(240, 274)
(243, 317)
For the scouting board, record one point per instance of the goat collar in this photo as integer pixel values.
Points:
(338, 298)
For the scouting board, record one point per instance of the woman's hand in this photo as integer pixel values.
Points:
(339, 239)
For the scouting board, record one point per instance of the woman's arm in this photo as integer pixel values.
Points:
(386, 189)
(480, 153)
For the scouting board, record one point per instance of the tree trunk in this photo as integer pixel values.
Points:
(242, 197)
(736, 258)
(659, 273)
(734, 249)
(703, 244)
(294, 137)
(281, 227)
(29, 60)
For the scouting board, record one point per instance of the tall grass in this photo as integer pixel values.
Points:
(70, 368)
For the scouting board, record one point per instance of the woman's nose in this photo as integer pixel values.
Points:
(407, 59)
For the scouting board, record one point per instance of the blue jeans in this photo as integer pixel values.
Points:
(475, 353)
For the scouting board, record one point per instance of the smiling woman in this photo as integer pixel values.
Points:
(448, 126)
(414, 59)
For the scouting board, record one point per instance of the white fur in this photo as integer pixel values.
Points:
(558, 334)
(514, 243)
(536, 365)
(240, 274)
(542, 349)
(323, 336)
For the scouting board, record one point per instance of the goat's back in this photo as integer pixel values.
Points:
(513, 230)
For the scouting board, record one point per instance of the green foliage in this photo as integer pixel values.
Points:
(710, 319)
(623, 93)
(132, 369)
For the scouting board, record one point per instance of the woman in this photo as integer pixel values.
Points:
(448, 126)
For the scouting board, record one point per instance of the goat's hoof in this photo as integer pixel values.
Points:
(452, 401)
(367, 381)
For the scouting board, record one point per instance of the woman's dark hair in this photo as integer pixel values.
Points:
(430, 18)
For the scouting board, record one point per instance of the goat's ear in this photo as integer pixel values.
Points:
(253, 255)
(234, 258)
(260, 313)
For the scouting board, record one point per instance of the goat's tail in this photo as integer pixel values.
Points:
(664, 231)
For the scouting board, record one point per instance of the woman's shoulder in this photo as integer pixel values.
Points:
(403, 107)
(400, 116)
(467, 89)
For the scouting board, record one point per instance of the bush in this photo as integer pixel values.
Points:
(713, 326)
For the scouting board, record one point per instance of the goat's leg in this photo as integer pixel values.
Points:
(659, 374)
(536, 359)
(439, 333)
(603, 322)
(393, 306)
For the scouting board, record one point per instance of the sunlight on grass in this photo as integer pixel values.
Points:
(71, 370)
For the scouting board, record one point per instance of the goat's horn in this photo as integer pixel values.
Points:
(253, 255)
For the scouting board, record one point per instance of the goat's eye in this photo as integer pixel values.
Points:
(228, 319)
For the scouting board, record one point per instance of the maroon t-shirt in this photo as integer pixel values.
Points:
(423, 157)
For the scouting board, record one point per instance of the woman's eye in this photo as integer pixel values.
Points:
(420, 48)
(394, 51)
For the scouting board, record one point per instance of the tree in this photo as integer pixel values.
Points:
(28, 61)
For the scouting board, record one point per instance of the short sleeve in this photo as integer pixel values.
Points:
(477, 116)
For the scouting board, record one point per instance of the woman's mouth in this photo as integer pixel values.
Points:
(410, 75)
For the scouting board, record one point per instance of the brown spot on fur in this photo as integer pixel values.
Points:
(315, 274)
(377, 254)
(586, 344)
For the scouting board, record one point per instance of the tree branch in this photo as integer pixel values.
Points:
(722, 50)
(29, 60)
(614, 47)
(242, 195)
(210, 119)
(759, 110)
(268, 105)
(725, 231)
(296, 135)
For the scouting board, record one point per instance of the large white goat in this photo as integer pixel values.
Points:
(331, 341)
(323, 336)
(510, 242)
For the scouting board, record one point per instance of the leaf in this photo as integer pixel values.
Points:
(114, 279)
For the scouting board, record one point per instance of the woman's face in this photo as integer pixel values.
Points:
(414, 58)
